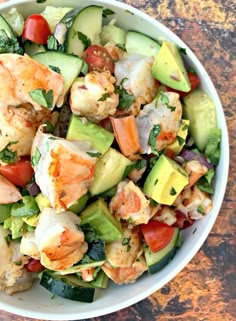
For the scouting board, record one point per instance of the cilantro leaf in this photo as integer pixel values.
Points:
(41, 1)
(36, 157)
(42, 97)
(94, 154)
(173, 191)
(54, 68)
(183, 50)
(125, 99)
(104, 97)
(52, 43)
(107, 12)
(86, 41)
(155, 131)
(165, 101)
(8, 156)
(8, 44)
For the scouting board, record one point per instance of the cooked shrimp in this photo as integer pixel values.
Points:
(93, 96)
(63, 170)
(8, 192)
(130, 204)
(195, 171)
(167, 115)
(20, 125)
(134, 72)
(194, 203)
(126, 274)
(20, 75)
(12, 266)
(124, 252)
(136, 174)
(60, 242)
(28, 245)
(115, 52)
(166, 214)
(87, 274)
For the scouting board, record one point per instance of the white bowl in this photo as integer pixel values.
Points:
(38, 302)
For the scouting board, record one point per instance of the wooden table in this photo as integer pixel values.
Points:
(206, 288)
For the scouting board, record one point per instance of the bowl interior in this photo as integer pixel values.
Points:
(38, 303)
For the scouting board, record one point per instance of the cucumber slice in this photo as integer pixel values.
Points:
(69, 66)
(15, 20)
(32, 48)
(77, 268)
(114, 34)
(156, 261)
(67, 287)
(101, 280)
(200, 110)
(139, 43)
(53, 15)
(4, 25)
(87, 25)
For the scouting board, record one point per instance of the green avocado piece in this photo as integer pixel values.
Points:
(200, 110)
(97, 215)
(165, 181)
(169, 69)
(100, 138)
(5, 212)
(79, 205)
(109, 170)
(16, 225)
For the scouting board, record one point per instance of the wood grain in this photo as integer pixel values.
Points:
(206, 289)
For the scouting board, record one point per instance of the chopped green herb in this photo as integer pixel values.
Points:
(125, 99)
(122, 47)
(8, 44)
(165, 101)
(94, 154)
(41, 1)
(210, 175)
(49, 127)
(8, 156)
(18, 263)
(173, 191)
(183, 50)
(86, 41)
(52, 43)
(128, 247)
(192, 70)
(156, 181)
(42, 97)
(185, 127)
(36, 157)
(129, 12)
(127, 170)
(212, 150)
(27, 207)
(126, 241)
(180, 140)
(104, 97)
(153, 203)
(200, 210)
(107, 12)
(194, 231)
(155, 131)
(8, 239)
(54, 68)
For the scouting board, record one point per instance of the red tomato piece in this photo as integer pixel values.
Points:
(157, 234)
(19, 173)
(34, 266)
(194, 82)
(36, 29)
(98, 59)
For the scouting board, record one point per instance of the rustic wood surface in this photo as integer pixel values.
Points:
(206, 288)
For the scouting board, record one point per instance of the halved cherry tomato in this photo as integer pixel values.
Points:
(19, 173)
(34, 266)
(98, 59)
(194, 82)
(36, 29)
(169, 153)
(157, 234)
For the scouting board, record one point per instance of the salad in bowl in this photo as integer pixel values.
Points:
(111, 139)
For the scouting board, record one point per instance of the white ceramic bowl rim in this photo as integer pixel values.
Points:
(37, 303)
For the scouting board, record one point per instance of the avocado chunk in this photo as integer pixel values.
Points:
(42, 201)
(16, 225)
(97, 215)
(169, 69)
(182, 133)
(5, 212)
(165, 181)
(79, 205)
(109, 171)
(200, 110)
(100, 138)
